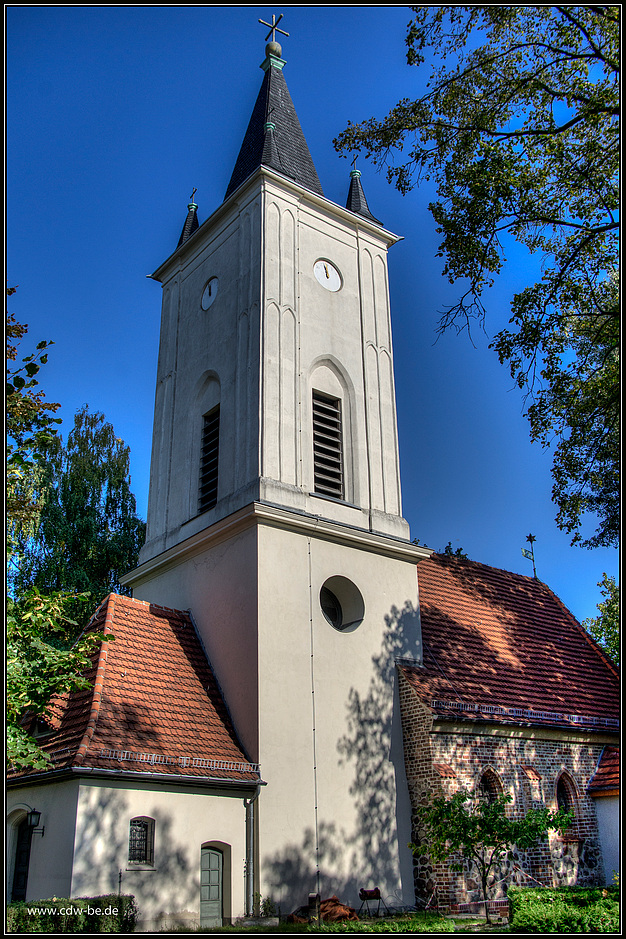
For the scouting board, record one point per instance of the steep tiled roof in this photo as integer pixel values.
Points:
(281, 147)
(606, 777)
(501, 646)
(153, 704)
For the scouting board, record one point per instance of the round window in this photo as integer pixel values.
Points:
(342, 604)
(209, 293)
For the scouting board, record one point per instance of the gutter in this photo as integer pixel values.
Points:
(211, 782)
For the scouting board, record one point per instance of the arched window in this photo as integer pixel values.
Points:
(489, 787)
(565, 793)
(141, 841)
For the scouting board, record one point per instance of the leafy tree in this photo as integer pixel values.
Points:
(40, 661)
(39, 664)
(605, 627)
(519, 129)
(479, 830)
(30, 425)
(89, 534)
(449, 551)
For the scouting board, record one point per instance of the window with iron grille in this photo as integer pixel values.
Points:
(141, 841)
(209, 455)
(327, 446)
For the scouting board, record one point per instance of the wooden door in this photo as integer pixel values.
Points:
(22, 859)
(211, 875)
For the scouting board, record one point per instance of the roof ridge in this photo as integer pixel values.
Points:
(98, 685)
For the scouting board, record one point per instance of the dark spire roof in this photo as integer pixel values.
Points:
(274, 137)
(356, 198)
(191, 223)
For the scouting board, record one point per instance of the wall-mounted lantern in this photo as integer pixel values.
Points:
(33, 818)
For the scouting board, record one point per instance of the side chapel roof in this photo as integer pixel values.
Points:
(153, 705)
(605, 780)
(502, 647)
(274, 137)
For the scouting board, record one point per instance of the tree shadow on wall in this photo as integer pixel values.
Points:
(367, 856)
(101, 855)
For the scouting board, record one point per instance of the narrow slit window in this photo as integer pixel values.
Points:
(209, 457)
(327, 446)
(141, 841)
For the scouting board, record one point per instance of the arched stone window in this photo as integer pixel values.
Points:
(489, 786)
(566, 796)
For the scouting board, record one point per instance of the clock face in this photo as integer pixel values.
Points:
(209, 293)
(327, 275)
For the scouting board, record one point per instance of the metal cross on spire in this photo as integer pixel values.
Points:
(193, 193)
(274, 27)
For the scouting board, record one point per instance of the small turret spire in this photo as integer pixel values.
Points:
(356, 201)
(191, 222)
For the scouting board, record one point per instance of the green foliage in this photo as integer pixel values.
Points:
(566, 910)
(39, 664)
(605, 627)
(30, 427)
(46, 916)
(519, 130)
(419, 922)
(464, 827)
(450, 552)
(88, 534)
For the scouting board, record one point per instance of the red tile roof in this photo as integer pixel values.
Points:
(606, 776)
(501, 646)
(153, 706)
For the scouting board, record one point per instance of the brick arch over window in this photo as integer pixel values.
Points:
(489, 785)
(567, 799)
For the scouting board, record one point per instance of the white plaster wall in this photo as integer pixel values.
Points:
(219, 587)
(341, 684)
(184, 821)
(50, 868)
(195, 344)
(306, 329)
(607, 810)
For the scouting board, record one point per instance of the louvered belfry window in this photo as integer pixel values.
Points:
(327, 446)
(209, 460)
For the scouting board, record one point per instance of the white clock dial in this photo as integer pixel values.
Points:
(209, 293)
(327, 275)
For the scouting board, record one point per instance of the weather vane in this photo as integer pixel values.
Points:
(274, 27)
(530, 554)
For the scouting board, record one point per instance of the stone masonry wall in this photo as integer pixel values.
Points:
(440, 760)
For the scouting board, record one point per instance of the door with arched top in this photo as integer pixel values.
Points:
(211, 888)
(22, 860)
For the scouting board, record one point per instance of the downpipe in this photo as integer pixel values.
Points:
(250, 850)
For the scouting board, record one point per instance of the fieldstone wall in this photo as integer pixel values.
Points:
(440, 760)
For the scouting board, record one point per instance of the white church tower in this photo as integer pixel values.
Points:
(275, 511)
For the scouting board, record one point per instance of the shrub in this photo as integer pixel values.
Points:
(566, 909)
(109, 913)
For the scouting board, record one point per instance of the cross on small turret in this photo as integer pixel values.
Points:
(193, 193)
(274, 27)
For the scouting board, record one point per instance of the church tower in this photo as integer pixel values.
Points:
(275, 509)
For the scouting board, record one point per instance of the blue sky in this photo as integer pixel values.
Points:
(115, 113)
